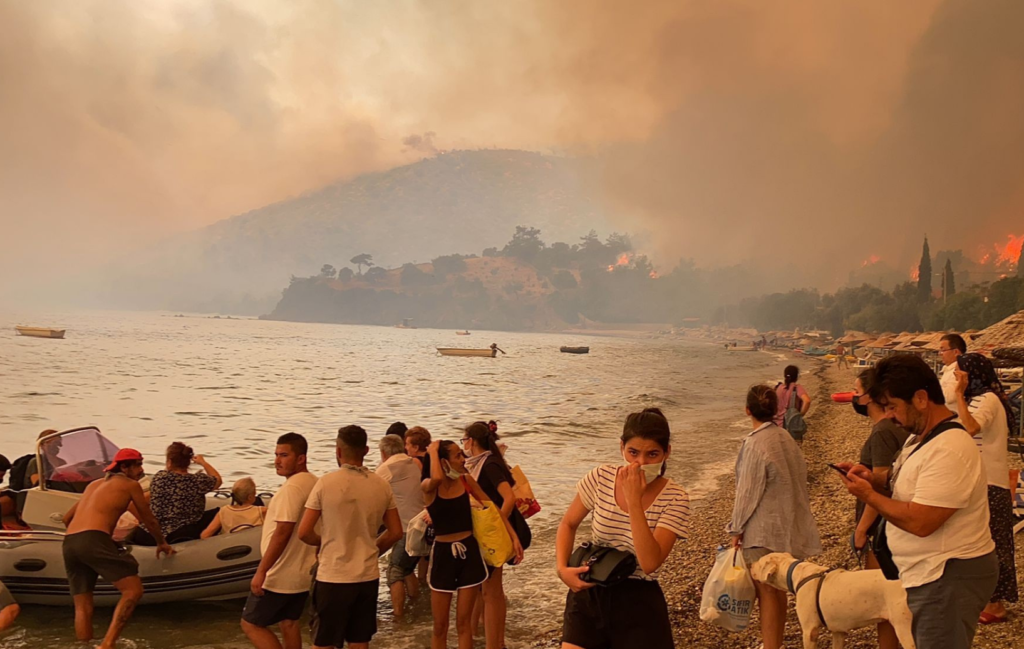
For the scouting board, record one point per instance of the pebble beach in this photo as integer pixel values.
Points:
(835, 433)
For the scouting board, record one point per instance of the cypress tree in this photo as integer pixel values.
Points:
(948, 282)
(924, 274)
(1020, 258)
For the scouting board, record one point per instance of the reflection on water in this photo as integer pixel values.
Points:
(230, 387)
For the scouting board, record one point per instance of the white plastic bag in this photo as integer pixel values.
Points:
(416, 536)
(728, 597)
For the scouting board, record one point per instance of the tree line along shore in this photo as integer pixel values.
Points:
(835, 433)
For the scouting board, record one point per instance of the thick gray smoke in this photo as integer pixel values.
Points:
(795, 135)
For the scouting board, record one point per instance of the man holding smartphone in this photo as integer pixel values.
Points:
(937, 517)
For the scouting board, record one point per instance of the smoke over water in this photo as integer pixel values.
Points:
(804, 135)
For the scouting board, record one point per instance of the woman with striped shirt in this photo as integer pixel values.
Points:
(635, 509)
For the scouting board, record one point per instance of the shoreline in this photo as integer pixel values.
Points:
(835, 433)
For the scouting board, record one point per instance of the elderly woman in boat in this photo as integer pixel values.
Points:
(178, 497)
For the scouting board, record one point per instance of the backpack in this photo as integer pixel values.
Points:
(793, 421)
(19, 471)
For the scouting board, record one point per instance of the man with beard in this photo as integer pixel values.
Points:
(937, 518)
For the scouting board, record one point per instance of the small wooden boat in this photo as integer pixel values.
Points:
(743, 349)
(574, 350)
(462, 351)
(40, 332)
(461, 333)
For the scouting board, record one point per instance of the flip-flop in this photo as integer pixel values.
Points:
(988, 618)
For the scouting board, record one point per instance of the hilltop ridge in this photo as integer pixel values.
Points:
(456, 201)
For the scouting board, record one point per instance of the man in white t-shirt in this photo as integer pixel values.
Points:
(937, 518)
(951, 347)
(281, 584)
(352, 503)
(403, 474)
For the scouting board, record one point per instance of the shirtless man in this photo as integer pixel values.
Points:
(90, 551)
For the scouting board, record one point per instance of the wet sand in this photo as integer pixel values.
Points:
(835, 433)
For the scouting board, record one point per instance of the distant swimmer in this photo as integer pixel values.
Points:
(90, 550)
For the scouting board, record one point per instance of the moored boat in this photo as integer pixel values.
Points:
(574, 350)
(32, 564)
(461, 333)
(40, 332)
(463, 351)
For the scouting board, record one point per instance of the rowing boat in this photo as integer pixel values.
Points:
(574, 350)
(40, 332)
(462, 351)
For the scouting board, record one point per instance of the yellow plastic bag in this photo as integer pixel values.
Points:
(490, 533)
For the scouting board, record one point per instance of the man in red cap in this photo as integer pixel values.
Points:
(90, 550)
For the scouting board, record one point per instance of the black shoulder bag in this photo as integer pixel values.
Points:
(608, 566)
(880, 544)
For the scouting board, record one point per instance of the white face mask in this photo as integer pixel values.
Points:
(451, 472)
(651, 471)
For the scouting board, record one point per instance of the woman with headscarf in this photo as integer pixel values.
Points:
(985, 412)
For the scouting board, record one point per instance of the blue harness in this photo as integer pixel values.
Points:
(818, 576)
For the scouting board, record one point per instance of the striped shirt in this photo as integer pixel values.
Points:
(772, 508)
(610, 525)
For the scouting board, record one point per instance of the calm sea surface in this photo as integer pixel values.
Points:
(230, 387)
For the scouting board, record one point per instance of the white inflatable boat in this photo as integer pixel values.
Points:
(32, 565)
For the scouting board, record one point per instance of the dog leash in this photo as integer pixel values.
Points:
(818, 576)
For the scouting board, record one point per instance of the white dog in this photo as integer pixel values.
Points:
(848, 600)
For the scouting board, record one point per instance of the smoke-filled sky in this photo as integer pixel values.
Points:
(801, 134)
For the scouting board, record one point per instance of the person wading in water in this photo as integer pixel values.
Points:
(90, 550)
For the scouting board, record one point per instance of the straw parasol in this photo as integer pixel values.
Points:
(1005, 333)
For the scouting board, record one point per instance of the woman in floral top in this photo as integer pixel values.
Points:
(178, 498)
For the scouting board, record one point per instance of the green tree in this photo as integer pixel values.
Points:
(345, 274)
(327, 271)
(1020, 267)
(449, 264)
(924, 274)
(412, 276)
(362, 260)
(948, 282)
(564, 280)
(375, 274)
(525, 244)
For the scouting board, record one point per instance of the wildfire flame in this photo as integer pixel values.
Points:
(1009, 252)
(611, 268)
(653, 274)
(624, 259)
(915, 273)
(873, 259)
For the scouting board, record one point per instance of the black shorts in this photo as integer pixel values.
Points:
(456, 565)
(270, 608)
(92, 554)
(344, 612)
(627, 615)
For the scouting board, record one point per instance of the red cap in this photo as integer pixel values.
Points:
(124, 455)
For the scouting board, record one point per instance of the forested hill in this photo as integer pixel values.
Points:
(461, 201)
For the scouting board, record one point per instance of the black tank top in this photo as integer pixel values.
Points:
(451, 515)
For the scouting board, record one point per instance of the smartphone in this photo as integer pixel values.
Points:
(843, 473)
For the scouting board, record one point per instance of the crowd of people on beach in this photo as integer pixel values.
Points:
(932, 509)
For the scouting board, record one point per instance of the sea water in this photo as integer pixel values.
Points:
(230, 387)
